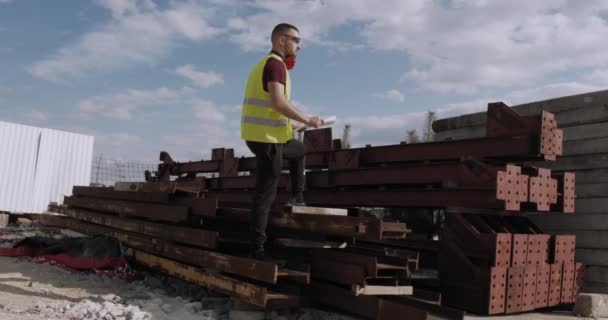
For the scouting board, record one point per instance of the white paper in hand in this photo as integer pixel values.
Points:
(329, 121)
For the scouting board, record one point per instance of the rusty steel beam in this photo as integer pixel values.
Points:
(244, 291)
(358, 227)
(477, 239)
(191, 185)
(468, 173)
(110, 193)
(566, 184)
(351, 268)
(248, 268)
(204, 207)
(521, 147)
(479, 290)
(504, 121)
(196, 237)
(509, 137)
(376, 308)
(143, 210)
(434, 198)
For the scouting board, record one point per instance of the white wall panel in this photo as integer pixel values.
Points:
(39, 165)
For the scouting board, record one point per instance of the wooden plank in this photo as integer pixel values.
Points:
(582, 116)
(247, 292)
(587, 131)
(368, 290)
(591, 190)
(316, 210)
(592, 205)
(592, 257)
(591, 176)
(571, 222)
(573, 163)
(585, 146)
(595, 287)
(597, 274)
(587, 101)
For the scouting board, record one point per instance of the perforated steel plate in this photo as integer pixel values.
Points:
(519, 252)
(568, 192)
(498, 286)
(528, 301)
(538, 248)
(555, 284)
(515, 289)
(543, 190)
(551, 138)
(502, 255)
(543, 276)
(568, 275)
(579, 279)
(512, 187)
(563, 248)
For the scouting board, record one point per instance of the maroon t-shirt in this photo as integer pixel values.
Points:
(274, 70)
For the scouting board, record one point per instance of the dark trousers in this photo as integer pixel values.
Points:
(268, 161)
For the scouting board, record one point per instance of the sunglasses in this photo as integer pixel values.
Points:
(295, 40)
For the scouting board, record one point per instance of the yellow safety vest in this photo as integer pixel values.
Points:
(259, 121)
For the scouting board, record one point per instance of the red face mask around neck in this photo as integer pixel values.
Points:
(290, 62)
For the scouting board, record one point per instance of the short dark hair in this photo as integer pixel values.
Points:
(280, 29)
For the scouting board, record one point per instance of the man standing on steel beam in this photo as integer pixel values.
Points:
(266, 128)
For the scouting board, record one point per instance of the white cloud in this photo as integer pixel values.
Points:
(460, 46)
(195, 142)
(207, 111)
(139, 33)
(549, 91)
(597, 77)
(393, 95)
(305, 108)
(121, 105)
(200, 78)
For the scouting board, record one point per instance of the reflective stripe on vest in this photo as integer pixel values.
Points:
(264, 121)
(259, 121)
(257, 102)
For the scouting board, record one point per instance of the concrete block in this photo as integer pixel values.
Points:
(591, 305)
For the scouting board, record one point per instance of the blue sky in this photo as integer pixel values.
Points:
(144, 76)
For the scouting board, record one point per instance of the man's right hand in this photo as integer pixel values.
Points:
(314, 122)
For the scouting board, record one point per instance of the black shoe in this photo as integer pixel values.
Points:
(293, 203)
(296, 200)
